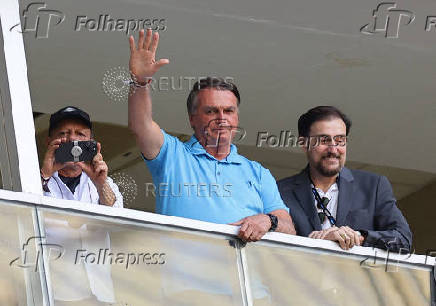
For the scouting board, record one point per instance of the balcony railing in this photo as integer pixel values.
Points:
(58, 252)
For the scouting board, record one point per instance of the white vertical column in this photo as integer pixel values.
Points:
(17, 108)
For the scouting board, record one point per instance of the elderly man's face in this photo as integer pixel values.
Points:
(71, 130)
(216, 117)
(327, 157)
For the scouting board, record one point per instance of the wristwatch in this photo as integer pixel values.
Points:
(44, 182)
(274, 222)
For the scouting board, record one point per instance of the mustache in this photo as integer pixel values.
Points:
(222, 126)
(331, 155)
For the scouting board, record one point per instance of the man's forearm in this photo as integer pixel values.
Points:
(140, 110)
(285, 224)
(106, 196)
(149, 137)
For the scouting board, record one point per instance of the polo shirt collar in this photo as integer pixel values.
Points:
(197, 149)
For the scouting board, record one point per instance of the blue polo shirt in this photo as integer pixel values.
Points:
(191, 183)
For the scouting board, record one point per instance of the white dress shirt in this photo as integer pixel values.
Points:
(332, 194)
(84, 192)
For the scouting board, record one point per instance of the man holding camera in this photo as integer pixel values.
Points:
(81, 181)
(74, 169)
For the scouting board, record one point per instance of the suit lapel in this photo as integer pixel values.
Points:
(345, 196)
(303, 194)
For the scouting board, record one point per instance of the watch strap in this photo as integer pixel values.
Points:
(274, 222)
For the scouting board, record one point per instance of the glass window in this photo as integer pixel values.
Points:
(19, 257)
(129, 263)
(296, 276)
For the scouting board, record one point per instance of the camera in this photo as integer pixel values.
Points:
(76, 151)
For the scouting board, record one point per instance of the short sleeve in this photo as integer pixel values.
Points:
(167, 154)
(270, 193)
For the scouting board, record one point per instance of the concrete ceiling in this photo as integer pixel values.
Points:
(285, 56)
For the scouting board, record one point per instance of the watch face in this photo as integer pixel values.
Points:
(274, 222)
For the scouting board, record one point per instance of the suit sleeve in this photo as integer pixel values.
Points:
(392, 231)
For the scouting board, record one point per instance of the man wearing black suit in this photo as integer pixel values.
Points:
(328, 201)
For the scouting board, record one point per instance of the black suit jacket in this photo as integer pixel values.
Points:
(366, 202)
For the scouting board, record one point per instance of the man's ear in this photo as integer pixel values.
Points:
(191, 123)
(304, 143)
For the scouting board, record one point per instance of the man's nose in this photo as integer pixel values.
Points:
(72, 137)
(332, 148)
(220, 114)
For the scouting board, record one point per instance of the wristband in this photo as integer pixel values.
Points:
(44, 182)
(134, 82)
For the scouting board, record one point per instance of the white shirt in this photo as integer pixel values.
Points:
(60, 232)
(84, 192)
(332, 194)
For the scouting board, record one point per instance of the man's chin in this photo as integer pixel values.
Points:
(329, 171)
(70, 165)
(219, 141)
(70, 168)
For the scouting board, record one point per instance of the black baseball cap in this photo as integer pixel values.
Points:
(69, 112)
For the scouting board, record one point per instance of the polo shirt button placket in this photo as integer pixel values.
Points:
(218, 172)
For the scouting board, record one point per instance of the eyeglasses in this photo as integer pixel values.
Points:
(322, 204)
(327, 140)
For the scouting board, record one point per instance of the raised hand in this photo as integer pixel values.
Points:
(143, 62)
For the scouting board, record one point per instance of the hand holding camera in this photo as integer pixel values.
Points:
(86, 154)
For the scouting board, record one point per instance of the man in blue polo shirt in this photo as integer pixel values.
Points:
(204, 178)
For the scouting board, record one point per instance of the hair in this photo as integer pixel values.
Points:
(320, 113)
(209, 82)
